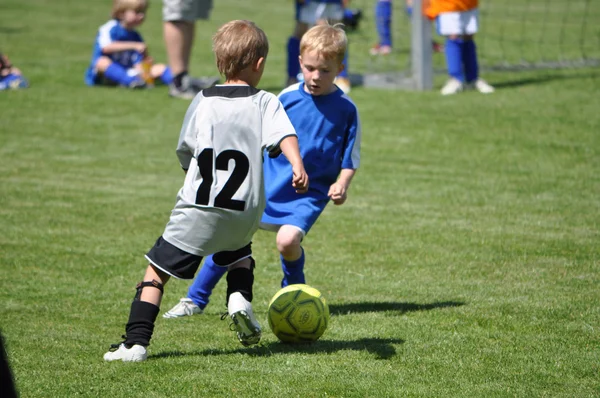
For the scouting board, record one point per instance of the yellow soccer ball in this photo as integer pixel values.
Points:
(298, 314)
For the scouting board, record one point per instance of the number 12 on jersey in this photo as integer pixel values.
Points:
(224, 198)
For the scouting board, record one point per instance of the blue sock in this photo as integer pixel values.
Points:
(293, 271)
(383, 20)
(453, 50)
(408, 10)
(118, 74)
(469, 58)
(293, 52)
(204, 283)
(167, 76)
(344, 73)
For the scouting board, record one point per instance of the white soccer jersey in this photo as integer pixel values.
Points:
(221, 144)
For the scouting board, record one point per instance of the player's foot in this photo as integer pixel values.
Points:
(452, 86)
(379, 49)
(200, 83)
(137, 84)
(191, 86)
(343, 83)
(483, 87)
(120, 352)
(185, 307)
(244, 323)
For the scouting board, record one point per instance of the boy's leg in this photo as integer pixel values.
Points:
(240, 278)
(469, 59)
(117, 73)
(383, 20)
(142, 315)
(291, 252)
(199, 291)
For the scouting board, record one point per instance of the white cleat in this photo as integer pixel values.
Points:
(452, 86)
(136, 353)
(185, 307)
(483, 87)
(244, 323)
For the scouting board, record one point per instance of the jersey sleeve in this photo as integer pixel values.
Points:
(351, 155)
(188, 135)
(276, 125)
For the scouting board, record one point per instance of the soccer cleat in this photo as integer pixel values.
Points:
(138, 84)
(452, 86)
(343, 83)
(120, 352)
(244, 323)
(200, 83)
(483, 87)
(185, 307)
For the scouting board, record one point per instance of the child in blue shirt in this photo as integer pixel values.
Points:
(119, 50)
(11, 77)
(329, 135)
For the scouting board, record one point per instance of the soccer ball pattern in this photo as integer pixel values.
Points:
(298, 314)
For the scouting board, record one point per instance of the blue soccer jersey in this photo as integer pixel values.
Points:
(108, 33)
(329, 135)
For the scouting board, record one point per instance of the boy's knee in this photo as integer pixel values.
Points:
(288, 240)
(103, 63)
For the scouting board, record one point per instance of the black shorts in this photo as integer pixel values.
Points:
(183, 265)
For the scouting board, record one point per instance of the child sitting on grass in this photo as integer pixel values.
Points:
(11, 77)
(120, 54)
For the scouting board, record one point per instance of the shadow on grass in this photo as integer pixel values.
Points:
(344, 309)
(381, 348)
(542, 79)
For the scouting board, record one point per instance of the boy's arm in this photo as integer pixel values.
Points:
(289, 147)
(117, 46)
(338, 192)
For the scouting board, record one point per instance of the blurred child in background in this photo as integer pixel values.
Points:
(383, 22)
(11, 77)
(310, 13)
(120, 56)
(458, 21)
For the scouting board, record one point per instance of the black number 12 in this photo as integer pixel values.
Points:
(238, 175)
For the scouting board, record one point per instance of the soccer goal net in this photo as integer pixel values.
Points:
(513, 35)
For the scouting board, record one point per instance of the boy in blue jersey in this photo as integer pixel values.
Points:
(329, 134)
(119, 50)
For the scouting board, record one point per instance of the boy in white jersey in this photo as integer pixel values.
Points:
(218, 209)
(328, 128)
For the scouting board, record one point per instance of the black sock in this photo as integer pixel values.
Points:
(140, 326)
(178, 78)
(240, 280)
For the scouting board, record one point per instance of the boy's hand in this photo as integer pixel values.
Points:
(337, 193)
(141, 48)
(299, 179)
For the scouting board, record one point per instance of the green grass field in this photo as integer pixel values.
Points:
(466, 262)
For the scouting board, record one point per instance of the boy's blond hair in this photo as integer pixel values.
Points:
(237, 45)
(120, 6)
(330, 42)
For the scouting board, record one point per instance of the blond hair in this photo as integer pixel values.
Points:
(237, 45)
(120, 6)
(330, 42)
